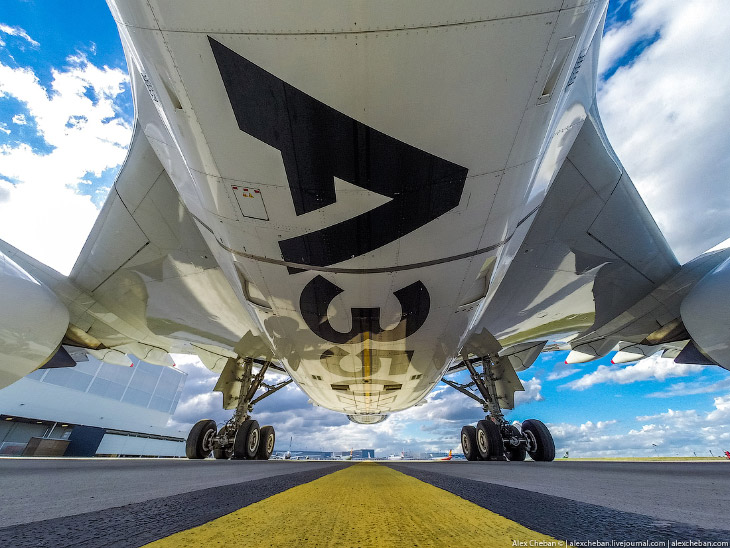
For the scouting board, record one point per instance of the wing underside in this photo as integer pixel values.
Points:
(146, 282)
(593, 275)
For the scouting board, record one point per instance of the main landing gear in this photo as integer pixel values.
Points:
(494, 438)
(241, 437)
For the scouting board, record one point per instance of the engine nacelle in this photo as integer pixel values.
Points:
(706, 314)
(32, 322)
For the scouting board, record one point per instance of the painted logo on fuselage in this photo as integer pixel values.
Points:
(319, 293)
(317, 145)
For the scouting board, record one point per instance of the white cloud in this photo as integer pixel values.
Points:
(646, 21)
(722, 409)
(671, 433)
(4, 128)
(85, 137)
(19, 119)
(666, 114)
(669, 415)
(691, 388)
(17, 31)
(563, 430)
(653, 368)
(560, 371)
(531, 393)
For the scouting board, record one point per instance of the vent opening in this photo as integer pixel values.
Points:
(565, 45)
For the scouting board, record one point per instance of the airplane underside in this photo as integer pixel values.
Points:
(365, 200)
(366, 219)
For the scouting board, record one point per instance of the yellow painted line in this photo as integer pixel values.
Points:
(367, 367)
(366, 505)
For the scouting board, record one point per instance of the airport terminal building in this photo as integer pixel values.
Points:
(94, 408)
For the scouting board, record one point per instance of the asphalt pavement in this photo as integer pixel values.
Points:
(695, 493)
(130, 502)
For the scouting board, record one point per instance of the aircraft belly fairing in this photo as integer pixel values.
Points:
(351, 188)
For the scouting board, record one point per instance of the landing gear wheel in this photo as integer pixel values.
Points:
(266, 445)
(248, 437)
(469, 443)
(223, 453)
(516, 452)
(489, 441)
(200, 439)
(541, 446)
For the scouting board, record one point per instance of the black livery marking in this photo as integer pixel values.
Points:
(399, 361)
(319, 293)
(318, 143)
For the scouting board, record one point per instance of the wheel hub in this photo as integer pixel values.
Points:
(208, 440)
(253, 440)
(531, 441)
(482, 441)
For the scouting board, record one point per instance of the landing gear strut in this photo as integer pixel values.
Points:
(240, 438)
(494, 438)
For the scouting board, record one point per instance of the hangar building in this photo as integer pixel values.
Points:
(94, 408)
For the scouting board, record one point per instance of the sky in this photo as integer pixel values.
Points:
(66, 118)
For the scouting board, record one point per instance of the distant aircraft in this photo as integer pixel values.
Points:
(287, 455)
(727, 454)
(448, 457)
(397, 457)
(365, 217)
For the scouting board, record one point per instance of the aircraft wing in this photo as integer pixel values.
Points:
(146, 282)
(592, 252)
(593, 275)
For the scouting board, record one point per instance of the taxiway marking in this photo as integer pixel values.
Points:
(363, 505)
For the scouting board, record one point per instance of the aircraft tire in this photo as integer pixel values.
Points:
(198, 444)
(247, 440)
(489, 440)
(469, 443)
(222, 453)
(516, 453)
(266, 445)
(545, 446)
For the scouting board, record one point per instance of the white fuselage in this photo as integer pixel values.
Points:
(363, 177)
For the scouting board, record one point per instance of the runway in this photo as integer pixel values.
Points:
(109, 502)
(695, 493)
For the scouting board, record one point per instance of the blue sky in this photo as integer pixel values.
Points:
(66, 117)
